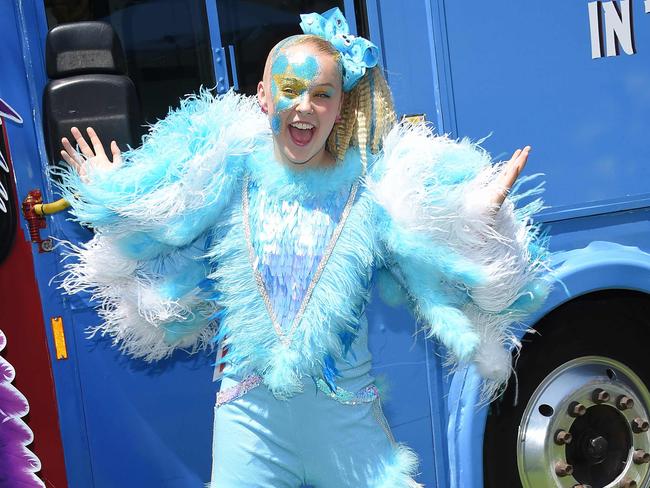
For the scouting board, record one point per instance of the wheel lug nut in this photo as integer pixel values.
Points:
(627, 483)
(639, 425)
(563, 469)
(563, 437)
(641, 457)
(576, 409)
(624, 402)
(599, 396)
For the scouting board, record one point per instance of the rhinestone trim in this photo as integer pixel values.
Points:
(366, 395)
(378, 413)
(369, 394)
(238, 390)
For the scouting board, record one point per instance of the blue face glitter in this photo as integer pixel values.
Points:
(290, 81)
(276, 123)
(307, 70)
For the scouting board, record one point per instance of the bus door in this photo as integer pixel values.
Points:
(142, 424)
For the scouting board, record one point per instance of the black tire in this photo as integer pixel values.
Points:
(613, 324)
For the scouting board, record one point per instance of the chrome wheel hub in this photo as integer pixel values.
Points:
(586, 425)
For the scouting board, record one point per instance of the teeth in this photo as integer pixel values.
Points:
(302, 125)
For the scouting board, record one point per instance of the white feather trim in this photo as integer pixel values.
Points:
(134, 314)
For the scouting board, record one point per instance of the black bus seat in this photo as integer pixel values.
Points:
(88, 86)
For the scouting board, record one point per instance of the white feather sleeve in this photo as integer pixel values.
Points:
(152, 219)
(149, 308)
(472, 272)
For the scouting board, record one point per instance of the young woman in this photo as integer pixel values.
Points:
(264, 230)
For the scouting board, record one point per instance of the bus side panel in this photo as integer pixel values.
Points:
(22, 318)
(527, 76)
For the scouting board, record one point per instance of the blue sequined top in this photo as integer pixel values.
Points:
(290, 237)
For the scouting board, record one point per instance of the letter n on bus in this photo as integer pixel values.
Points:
(611, 21)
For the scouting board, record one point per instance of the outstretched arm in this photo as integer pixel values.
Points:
(153, 210)
(176, 185)
(468, 259)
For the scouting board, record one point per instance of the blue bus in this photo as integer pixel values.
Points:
(569, 78)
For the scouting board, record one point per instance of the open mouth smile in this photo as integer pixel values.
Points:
(301, 133)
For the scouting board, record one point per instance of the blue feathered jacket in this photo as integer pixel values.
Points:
(201, 236)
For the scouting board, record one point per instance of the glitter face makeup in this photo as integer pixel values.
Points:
(290, 83)
(303, 101)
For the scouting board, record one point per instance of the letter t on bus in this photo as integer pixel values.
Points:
(616, 24)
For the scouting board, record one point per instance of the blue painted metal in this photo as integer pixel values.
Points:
(437, 390)
(374, 25)
(527, 77)
(389, 23)
(403, 362)
(402, 32)
(22, 82)
(466, 423)
(218, 51)
(445, 120)
(594, 208)
(233, 67)
(350, 15)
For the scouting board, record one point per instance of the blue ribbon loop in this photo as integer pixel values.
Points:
(357, 53)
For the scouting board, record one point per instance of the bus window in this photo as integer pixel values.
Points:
(253, 27)
(166, 42)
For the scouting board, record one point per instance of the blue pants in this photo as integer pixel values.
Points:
(310, 439)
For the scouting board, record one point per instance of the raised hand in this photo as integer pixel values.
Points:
(94, 158)
(509, 173)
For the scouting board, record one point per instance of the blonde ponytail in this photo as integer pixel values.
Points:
(367, 116)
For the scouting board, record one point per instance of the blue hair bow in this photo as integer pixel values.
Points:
(357, 53)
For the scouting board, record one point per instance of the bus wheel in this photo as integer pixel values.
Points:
(580, 414)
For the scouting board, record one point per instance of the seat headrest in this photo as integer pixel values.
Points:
(83, 48)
